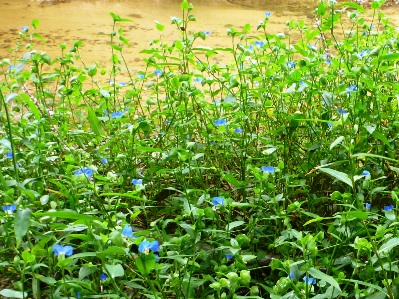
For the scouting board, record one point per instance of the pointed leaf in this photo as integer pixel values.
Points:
(21, 225)
(13, 294)
(343, 177)
(115, 270)
(95, 124)
(234, 224)
(322, 276)
(387, 246)
(336, 142)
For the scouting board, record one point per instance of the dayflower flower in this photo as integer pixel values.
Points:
(309, 280)
(207, 32)
(269, 169)
(365, 173)
(350, 89)
(292, 275)
(127, 231)
(158, 73)
(290, 64)
(9, 208)
(87, 171)
(122, 84)
(268, 14)
(24, 29)
(368, 206)
(140, 76)
(198, 80)
(9, 155)
(104, 160)
(229, 256)
(389, 208)
(220, 122)
(342, 111)
(65, 250)
(156, 258)
(117, 114)
(137, 182)
(259, 43)
(103, 277)
(238, 130)
(146, 246)
(218, 201)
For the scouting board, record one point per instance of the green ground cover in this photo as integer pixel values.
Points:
(274, 176)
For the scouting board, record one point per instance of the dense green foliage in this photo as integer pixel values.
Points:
(274, 176)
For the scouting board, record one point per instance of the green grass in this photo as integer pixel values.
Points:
(274, 176)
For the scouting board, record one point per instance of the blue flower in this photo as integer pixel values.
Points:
(268, 14)
(238, 130)
(158, 73)
(146, 246)
(9, 155)
(198, 80)
(156, 258)
(368, 206)
(122, 84)
(389, 208)
(24, 29)
(250, 48)
(350, 89)
(229, 256)
(104, 160)
(220, 122)
(309, 280)
(269, 169)
(127, 231)
(117, 114)
(78, 295)
(342, 111)
(218, 201)
(303, 83)
(364, 53)
(103, 277)
(259, 44)
(86, 171)
(290, 64)
(330, 125)
(207, 32)
(65, 250)
(328, 61)
(9, 208)
(292, 275)
(365, 173)
(140, 76)
(137, 182)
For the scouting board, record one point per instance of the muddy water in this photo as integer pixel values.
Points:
(89, 21)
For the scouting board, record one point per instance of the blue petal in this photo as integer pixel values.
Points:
(127, 231)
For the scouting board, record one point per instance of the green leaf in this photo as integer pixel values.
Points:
(32, 106)
(159, 26)
(184, 5)
(35, 23)
(21, 225)
(148, 149)
(354, 5)
(343, 177)
(228, 177)
(95, 124)
(68, 215)
(13, 294)
(234, 224)
(146, 263)
(322, 276)
(111, 252)
(390, 57)
(117, 18)
(336, 142)
(11, 96)
(116, 47)
(387, 246)
(115, 270)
